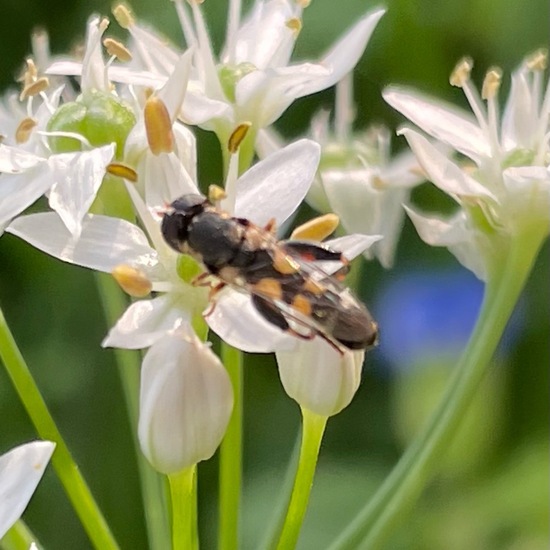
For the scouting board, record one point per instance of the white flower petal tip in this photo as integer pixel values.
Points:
(444, 173)
(186, 399)
(20, 471)
(320, 378)
(275, 187)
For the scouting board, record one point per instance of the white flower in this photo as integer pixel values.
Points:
(320, 378)
(273, 188)
(20, 471)
(253, 81)
(506, 192)
(186, 401)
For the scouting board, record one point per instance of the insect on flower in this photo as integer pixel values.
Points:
(286, 285)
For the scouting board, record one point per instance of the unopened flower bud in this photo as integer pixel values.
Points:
(186, 401)
(320, 378)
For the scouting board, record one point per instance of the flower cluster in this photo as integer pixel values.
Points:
(111, 157)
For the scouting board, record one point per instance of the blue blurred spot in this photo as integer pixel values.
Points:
(429, 315)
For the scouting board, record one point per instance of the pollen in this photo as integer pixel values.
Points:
(284, 264)
(491, 83)
(29, 75)
(294, 24)
(158, 126)
(538, 61)
(39, 85)
(133, 281)
(24, 130)
(317, 229)
(301, 303)
(122, 171)
(124, 16)
(216, 193)
(117, 49)
(237, 136)
(461, 73)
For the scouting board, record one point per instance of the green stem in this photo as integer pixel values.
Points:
(313, 428)
(405, 483)
(153, 485)
(231, 456)
(19, 537)
(183, 490)
(78, 492)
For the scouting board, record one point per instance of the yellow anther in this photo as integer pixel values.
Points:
(34, 88)
(316, 229)
(124, 16)
(118, 49)
(237, 137)
(133, 281)
(461, 73)
(491, 83)
(122, 171)
(158, 126)
(29, 74)
(25, 129)
(303, 3)
(294, 24)
(216, 193)
(537, 61)
(378, 183)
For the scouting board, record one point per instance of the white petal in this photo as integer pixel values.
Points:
(186, 401)
(77, 178)
(17, 191)
(352, 245)
(104, 242)
(320, 378)
(20, 471)
(443, 172)
(344, 55)
(15, 161)
(275, 187)
(145, 322)
(441, 120)
(173, 91)
(236, 321)
(454, 234)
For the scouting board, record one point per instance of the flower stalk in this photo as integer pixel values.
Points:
(313, 428)
(183, 490)
(68, 472)
(231, 455)
(374, 523)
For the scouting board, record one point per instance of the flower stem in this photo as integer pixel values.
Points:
(405, 483)
(153, 486)
(78, 492)
(19, 537)
(231, 456)
(183, 490)
(313, 428)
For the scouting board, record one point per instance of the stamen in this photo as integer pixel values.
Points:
(122, 171)
(237, 137)
(461, 73)
(537, 61)
(303, 3)
(294, 24)
(133, 281)
(117, 49)
(316, 229)
(158, 126)
(491, 83)
(216, 193)
(34, 88)
(24, 130)
(30, 74)
(344, 111)
(123, 15)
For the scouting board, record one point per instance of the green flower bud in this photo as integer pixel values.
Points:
(99, 117)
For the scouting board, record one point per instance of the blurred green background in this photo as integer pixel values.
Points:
(492, 490)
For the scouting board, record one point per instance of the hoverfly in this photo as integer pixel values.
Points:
(287, 288)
